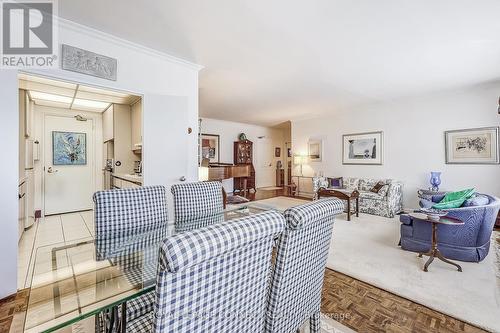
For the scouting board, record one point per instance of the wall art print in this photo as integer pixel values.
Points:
(362, 148)
(472, 146)
(69, 148)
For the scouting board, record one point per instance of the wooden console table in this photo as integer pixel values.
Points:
(343, 195)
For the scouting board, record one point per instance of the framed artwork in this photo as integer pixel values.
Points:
(210, 147)
(277, 152)
(289, 152)
(69, 148)
(315, 150)
(362, 148)
(472, 146)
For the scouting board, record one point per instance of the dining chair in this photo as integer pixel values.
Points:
(301, 254)
(197, 204)
(214, 279)
(120, 214)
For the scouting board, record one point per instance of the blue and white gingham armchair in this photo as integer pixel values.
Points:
(197, 205)
(214, 279)
(120, 214)
(302, 250)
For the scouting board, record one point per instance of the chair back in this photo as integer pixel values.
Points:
(215, 279)
(302, 250)
(197, 204)
(129, 225)
(123, 212)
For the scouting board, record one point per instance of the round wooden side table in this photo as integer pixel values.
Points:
(434, 251)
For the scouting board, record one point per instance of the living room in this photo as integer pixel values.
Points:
(388, 111)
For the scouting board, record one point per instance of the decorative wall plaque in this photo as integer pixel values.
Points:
(89, 63)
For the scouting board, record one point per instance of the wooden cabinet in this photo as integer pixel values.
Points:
(136, 118)
(117, 134)
(243, 154)
(280, 177)
(108, 124)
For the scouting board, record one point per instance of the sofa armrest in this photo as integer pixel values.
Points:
(395, 197)
(406, 219)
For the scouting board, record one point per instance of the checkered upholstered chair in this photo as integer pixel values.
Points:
(214, 279)
(197, 204)
(120, 214)
(302, 250)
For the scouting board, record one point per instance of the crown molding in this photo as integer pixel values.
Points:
(94, 33)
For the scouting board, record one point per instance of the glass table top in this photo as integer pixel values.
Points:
(75, 281)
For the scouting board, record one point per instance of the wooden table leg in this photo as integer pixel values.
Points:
(245, 187)
(348, 209)
(357, 207)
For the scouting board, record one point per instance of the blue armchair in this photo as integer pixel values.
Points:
(468, 242)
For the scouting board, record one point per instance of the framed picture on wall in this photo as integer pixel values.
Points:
(472, 146)
(210, 147)
(69, 148)
(315, 150)
(362, 148)
(277, 152)
(289, 152)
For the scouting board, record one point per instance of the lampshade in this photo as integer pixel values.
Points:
(203, 173)
(300, 159)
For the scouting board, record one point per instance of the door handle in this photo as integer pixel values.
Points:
(50, 170)
(182, 179)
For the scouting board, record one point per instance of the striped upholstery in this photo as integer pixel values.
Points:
(129, 223)
(215, 279)
(297, 279)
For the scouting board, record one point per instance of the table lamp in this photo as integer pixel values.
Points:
(300, 160)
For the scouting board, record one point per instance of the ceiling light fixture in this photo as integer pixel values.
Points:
(50, 97)
(90, 104)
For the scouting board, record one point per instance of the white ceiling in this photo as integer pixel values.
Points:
(271, 61)
(67, 95)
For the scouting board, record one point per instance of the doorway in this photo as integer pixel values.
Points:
(68, 171)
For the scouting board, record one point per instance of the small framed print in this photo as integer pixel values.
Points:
(277, 152)
(472, 146)
(210, 147)
(315, 150)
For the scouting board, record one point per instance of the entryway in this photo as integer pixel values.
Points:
(68, 171)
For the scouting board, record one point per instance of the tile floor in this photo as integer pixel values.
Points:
(64, 228)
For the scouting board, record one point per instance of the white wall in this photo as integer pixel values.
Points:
(141, 71)
(413, 139)
(38, 128)
(229, 132)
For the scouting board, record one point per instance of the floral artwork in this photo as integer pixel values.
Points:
(69, 148)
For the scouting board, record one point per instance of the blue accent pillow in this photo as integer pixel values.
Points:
(424, 203)
(478, 200)
(337, 182)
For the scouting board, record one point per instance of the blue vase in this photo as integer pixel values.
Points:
(435, 180)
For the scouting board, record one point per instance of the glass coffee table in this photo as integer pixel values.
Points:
(434, 251)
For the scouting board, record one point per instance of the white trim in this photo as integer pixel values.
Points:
(94, 33)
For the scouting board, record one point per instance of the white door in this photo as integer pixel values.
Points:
(165, 160)
(68, 164)
(265, 168)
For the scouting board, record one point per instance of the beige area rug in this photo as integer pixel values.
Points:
(366, 249)
(269, 188)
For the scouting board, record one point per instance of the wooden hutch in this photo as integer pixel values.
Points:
(243, 154)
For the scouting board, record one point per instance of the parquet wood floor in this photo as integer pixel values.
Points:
(365, 308)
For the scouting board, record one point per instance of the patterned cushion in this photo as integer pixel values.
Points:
(366, 184)
(214, 279)
(370, 195)
(123, 212)
(351, 183)
(196, 200)
(295, 292)
(383, 190)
